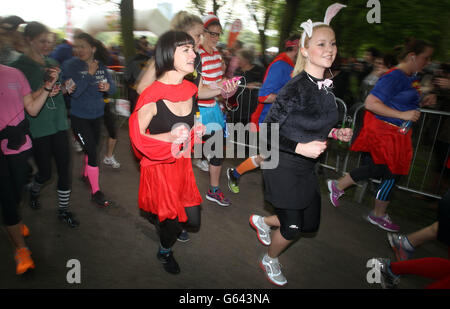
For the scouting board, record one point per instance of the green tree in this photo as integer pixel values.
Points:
(127, 27)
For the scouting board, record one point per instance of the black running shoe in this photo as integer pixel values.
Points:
(99, 198)
(68, 217)
(169, 263)
(184, 236)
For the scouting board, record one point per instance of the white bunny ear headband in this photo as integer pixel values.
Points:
(308, 25)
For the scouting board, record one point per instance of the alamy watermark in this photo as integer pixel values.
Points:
(374, 274)
(74, 274)
(374, 14)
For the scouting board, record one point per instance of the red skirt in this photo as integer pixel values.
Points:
(385, 144)
(166, 189)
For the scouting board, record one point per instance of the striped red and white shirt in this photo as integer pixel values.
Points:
(211, 71)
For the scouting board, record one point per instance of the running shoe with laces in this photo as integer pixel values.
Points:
(23, 260)
(384, 222)
(99, 198)
(68, 217)
(184, 236)
(202, 164)
(218, 197)
(388, 279)
(169, 263)
(233, 182)
(262, 229)
(111, 161)
(272, 269)
(335, 193)
(397, 242)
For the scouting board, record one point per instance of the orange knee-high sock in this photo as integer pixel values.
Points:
(247, 165)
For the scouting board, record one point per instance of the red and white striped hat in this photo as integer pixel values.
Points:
(208, 18)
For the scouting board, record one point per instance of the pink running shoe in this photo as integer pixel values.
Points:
(383, 222)
(335, 193)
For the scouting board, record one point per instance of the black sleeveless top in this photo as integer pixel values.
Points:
(164, 119)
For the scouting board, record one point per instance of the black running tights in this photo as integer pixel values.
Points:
(170, 229)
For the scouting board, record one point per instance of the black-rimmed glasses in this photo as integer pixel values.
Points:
(213, 34)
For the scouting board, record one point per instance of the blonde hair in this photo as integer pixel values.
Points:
(184, 21)
(301, 60)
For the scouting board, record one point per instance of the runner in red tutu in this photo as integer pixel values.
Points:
(162, 140)
(387, 152)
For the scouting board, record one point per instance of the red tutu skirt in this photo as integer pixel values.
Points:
(385, 144)
(166, 189)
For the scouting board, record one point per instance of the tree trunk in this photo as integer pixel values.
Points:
(127, 27)
(290, 12)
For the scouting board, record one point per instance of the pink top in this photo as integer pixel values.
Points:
(13, 87)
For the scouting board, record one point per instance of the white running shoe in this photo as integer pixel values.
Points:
(262, 230)
(272, 268)
(203, 165)
(111, 161)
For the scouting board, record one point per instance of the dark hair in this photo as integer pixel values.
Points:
(374, 52)
(413, 46)
(101, 53)
(214, 23)
(389, 60)
(165, 50)
(34, 29)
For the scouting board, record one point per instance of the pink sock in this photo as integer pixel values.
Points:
(92, 173)
(85, 166)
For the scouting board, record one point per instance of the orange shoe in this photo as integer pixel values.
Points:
(23, 260)
(25, 231)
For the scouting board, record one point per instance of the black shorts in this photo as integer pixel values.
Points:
(296, 221)
(14, 172)
(293, 184)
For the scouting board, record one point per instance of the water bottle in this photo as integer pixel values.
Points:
(404, 128)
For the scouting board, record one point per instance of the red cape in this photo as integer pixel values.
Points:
(150, 150)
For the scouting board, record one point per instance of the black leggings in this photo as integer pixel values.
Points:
(110, 121)
(213, 160)
(369, 169)
(170, 229)
(87, 132)
(14, 171)
(57, 146)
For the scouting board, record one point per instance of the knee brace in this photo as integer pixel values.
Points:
(215, 161)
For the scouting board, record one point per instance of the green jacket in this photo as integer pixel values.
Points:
(52, 118)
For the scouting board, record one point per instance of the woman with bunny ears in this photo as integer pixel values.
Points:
(306, 111)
